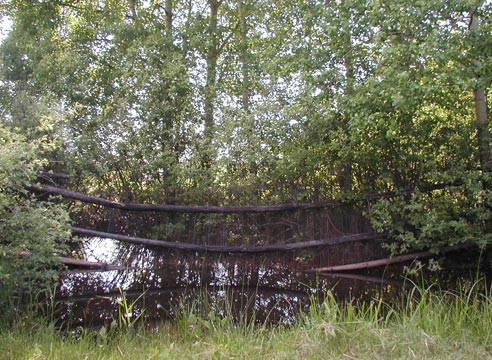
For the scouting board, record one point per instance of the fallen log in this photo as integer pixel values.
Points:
(222, 209)
(91, 264)
(387, 261)
(367, 278)
(228, 249)
(180, 208)
(81, 263)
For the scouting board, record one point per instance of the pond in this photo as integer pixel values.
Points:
(271, 287)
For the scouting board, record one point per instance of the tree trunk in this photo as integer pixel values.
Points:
(80, 263)
(345, 170)
(212, 57)
(481, 111)
(245, 57)
(169, 18)
(133, 9)
(229, 249)
(181, 208)
(193, 209)
(385, 262)
(210, 86)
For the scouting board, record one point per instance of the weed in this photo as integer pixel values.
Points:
(127, 314)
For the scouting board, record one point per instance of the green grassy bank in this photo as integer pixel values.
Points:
(428, 324)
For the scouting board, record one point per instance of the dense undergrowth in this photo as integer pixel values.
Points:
(427, 323)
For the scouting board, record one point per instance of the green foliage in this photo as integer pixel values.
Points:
(261, 102)
(33, 233)
(438, 219)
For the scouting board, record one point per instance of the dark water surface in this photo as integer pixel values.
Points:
(269, 287)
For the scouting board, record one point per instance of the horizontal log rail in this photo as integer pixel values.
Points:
(81, 263)
(227, 249)
(91, 264)
(387, 261)
(365, 278)
(180, 208)
(218, 209)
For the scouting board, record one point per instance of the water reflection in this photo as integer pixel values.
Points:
(270, 287)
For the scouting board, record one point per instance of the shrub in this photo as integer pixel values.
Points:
(438, 219)
(33, 233)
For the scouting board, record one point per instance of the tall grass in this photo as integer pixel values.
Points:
(427, 323)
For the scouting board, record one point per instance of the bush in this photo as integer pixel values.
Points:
(32, 233)
(438, 219)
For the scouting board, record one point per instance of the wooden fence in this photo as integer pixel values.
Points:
(336, 237)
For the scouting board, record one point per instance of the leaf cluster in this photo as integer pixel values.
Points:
(438, 219)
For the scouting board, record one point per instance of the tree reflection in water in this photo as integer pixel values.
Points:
(269, 287)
